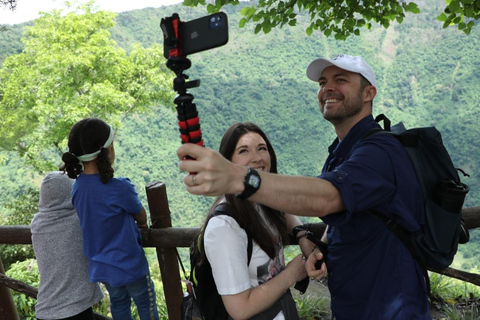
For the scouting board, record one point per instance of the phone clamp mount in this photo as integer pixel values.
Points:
(188, 119)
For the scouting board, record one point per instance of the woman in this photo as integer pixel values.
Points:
(260, 285)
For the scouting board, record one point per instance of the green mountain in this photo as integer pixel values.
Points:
(426, 75)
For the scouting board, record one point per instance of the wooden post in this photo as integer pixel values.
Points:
(8, 311)
(167, 257)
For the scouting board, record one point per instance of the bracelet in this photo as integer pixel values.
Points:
(302, 236)
(299, 228)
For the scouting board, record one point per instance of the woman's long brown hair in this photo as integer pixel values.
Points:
(243, 210)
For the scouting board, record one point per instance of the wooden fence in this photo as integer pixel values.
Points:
(166, 239)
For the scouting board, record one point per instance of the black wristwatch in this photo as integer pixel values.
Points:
(252, 183)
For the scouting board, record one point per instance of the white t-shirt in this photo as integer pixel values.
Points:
(226, 250)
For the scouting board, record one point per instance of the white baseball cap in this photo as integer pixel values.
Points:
(343, 61)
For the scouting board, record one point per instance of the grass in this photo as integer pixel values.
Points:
(455, 299)
(310, 308)
(450, 288)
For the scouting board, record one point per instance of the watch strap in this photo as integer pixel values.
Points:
(251, 182)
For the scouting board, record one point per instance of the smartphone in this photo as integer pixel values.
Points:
(201, 34)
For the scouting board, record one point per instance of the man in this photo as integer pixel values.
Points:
(372, 275)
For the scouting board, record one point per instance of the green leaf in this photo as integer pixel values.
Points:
(211, 8)
(309, 30)
(267, 27)
(442, 17)
(257, 17)
(242, 22)
(454, 6)
(412, 7)
(245, 11)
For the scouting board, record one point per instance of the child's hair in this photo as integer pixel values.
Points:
(88, 140)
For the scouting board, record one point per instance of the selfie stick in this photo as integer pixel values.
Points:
(188, 119)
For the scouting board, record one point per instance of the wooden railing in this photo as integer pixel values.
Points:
(166, 239)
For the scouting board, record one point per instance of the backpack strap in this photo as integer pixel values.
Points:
(406, 239)
(224, 209)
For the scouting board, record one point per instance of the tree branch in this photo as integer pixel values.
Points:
(461, 275)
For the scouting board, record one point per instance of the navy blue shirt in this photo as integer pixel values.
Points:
(372, 275)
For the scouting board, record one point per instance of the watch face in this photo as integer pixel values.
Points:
(254, 181)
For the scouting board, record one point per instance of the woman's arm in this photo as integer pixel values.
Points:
(251, 302)
(226, 249)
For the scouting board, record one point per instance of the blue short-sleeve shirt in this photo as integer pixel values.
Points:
(372, 275)
(112, 241)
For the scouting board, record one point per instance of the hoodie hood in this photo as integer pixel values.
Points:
(55, 206)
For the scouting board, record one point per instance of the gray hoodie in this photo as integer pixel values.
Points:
(64, 289)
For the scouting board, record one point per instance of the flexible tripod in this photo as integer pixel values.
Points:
(188, 119)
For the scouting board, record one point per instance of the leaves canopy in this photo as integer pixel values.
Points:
(343, 18)
(71, 69)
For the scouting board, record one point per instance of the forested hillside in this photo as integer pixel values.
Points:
(426, 75)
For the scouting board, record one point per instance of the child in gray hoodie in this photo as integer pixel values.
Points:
(64, 290)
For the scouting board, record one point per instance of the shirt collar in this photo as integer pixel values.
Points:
(341, 149)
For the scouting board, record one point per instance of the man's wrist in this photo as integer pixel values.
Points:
(251, 183)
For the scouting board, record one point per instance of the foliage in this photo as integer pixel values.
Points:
(472, 313)
(27, 272)
(458, 300)
(19, 212)
(421, 80)
(450, 288)
(10, 3)
(312, 307)
(461, 13)
(342, 18)
(71, 69)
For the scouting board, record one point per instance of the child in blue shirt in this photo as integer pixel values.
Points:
(110, 214)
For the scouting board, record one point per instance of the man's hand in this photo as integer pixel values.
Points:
(310, 265)
(210, 173)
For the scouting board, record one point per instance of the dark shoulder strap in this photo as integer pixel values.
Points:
(401, 234)
(406, 239)
(224, 209)
(378, 119)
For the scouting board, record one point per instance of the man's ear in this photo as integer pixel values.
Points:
(369, 93)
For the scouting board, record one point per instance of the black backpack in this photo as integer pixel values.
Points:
(435, 244)
(202, 300)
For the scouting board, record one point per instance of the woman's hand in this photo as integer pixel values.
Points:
(248, 303)
(296, 268)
